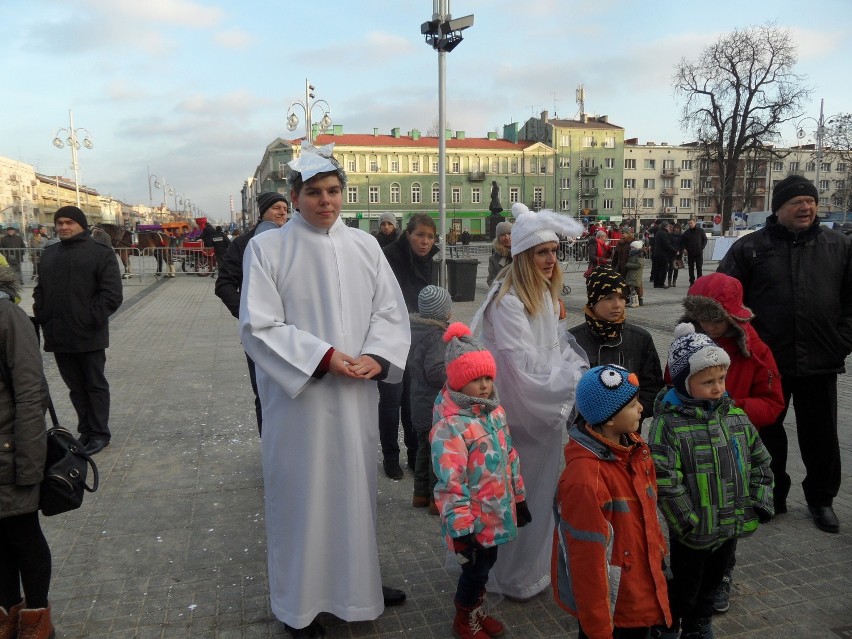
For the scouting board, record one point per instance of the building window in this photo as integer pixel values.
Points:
(704, 166)
(564, 140)
(838, 199)
(395, 193)
(352, 195)
(609, 142)
(374, 166)
(778, 166)
(588, 204)
(647, 202)
(542, 167)
(566, 205)
(495, 166)
(841, 167)
(840, 184)
(514, 194)
(588, 141)
(668, 183)
(609, 163)
(374, 195)
(456, 195)
(825, 167)
(533, 166)
(394, 166)
(565, 183)
(350, 166)
(824, 185)
(667, 201)
(668, 164)
(514, 168)
(794, 166)
(628, 203)
(608, 204)
(650, 164)
(609, 183)
(415, 166)
(476, 195)
(686, 184)
(456, 165)
(629, 164)
(436, 194)
(564, 162)
(686, 165)
(649, 183)
(434, 166)
(810, 166)
(415, 193)
(629, 183)
(538, 197)
(685, 203)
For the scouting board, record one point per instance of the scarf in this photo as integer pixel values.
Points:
(602, 328)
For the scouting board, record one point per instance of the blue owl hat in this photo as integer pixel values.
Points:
(603, 391)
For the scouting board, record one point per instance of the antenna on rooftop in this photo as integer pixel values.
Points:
(581, 99)
(555, 104)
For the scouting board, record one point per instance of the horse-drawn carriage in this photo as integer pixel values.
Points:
(196, 258)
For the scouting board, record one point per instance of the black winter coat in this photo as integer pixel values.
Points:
(694, 240)
(384, 239)
(426, 367)
(799, 286)
(79, 287)
(230, 279)
(413, 273)
(634, 350)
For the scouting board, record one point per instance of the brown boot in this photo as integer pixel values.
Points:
(466, 624)
(35, 624)
(420, 501)
(9, 621)
(490, 626)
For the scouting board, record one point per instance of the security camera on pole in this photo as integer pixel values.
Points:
(443, 34)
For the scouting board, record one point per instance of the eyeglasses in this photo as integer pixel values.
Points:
(799, 201)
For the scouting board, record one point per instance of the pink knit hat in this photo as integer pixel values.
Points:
(466, 359)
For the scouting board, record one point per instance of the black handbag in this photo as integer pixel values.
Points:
(65, 469)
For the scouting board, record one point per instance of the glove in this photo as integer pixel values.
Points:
(524, 516)
(465, 548)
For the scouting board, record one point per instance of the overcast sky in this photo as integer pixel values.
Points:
(196, 89)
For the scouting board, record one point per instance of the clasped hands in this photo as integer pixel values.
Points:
(362, 367)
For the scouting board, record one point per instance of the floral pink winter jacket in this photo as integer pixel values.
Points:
(478, 471)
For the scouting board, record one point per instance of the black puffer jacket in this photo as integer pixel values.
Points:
(634, 350)
(412, 272)
(694, 240)
(426, 368)
(79, 287)
(799, 286)
(22, 427)
(230, 279)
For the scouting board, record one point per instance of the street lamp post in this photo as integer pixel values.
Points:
(820, 135)
(73, 141)
(443, 34)
(168, 190)
(308, 106)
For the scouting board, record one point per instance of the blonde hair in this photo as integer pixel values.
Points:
(529, 282)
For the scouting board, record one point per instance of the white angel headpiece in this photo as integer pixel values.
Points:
(314, 160)
(531, 229)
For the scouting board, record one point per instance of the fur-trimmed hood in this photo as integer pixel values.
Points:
(717, 297)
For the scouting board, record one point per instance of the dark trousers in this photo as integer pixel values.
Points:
(815, 405)
(695, 261)
(393, 400)
(25, 561)
(622, 633)
(695, 576)
(83, 374)
(660, 267)
(257, 409)
(474, 576)
(424, 474)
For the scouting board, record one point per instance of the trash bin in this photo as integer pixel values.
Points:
(461, 279)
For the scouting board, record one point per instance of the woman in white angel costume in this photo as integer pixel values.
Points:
(538, 367)
(323, 318)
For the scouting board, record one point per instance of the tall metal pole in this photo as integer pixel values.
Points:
(819, 134)
(74, 165)
(442, 154)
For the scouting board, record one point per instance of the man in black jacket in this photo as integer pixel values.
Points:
(694, 241)
(79, 287)
(797, 279)
(273, 208)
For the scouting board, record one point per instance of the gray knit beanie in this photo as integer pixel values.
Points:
(387, 216)
(435, 303)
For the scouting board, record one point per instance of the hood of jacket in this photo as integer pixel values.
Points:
(422, 326)
(592, 445)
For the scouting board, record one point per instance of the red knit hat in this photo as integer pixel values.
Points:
(466, 359)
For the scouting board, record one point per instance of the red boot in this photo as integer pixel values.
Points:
(490, 626)
(35, 624)
(466, 624)
(9, 621)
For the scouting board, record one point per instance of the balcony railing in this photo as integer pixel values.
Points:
(670, 171)
(588, 170)
(588, 192)
(669, 191)
(476, 176)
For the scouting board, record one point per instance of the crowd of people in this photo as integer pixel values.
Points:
(347, 338)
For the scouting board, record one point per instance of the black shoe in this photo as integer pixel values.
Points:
(780, 506)
(412, 461)
(722, 596)
(393, 597)
(95, 446)
(824, 518)
(393, 469)
(313, 630)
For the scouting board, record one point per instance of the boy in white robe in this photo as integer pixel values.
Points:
(323, 318)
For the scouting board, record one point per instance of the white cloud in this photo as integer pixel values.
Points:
(232, 39)
(173, 12)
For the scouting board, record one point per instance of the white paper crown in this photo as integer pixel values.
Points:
(313, 160)
(531, 229)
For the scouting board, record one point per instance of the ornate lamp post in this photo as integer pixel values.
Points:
(168, 189)
(307, 107)
(820, 135)
(73, 141)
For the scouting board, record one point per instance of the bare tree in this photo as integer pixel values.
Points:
(838, 139)
(738, 93)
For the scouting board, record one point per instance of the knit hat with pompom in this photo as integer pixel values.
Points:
(691, 353)
(466, 359)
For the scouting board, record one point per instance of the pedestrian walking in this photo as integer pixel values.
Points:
(694, 241)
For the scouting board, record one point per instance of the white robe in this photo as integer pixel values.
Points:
(304, 291)
(538, 367)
